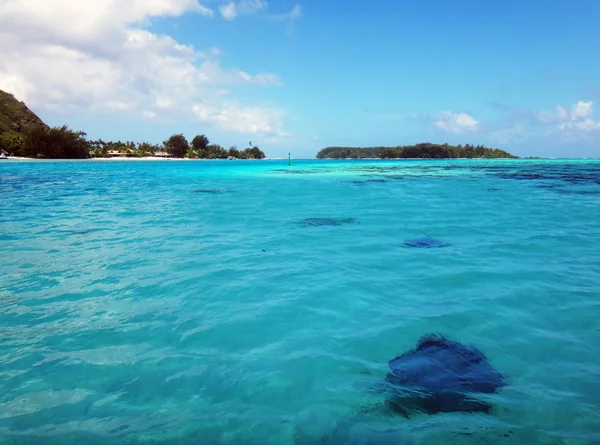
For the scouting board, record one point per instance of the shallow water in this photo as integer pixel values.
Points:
(191, 302)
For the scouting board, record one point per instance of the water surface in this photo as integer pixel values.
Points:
(248, 302)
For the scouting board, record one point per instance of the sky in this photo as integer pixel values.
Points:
(294, 76)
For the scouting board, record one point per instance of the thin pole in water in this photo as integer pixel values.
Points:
(289, 159)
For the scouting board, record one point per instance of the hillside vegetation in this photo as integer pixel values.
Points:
(23, 133)
(15, 117)
(423, 150)
(15, 121)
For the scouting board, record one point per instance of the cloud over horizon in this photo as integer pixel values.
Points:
(456, 122)
(233, 9)
(560, 124)
(66, 56)
(579, 118)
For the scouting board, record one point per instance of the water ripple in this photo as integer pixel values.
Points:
(173, 302)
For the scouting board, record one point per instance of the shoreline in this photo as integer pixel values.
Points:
(156, 159)
(134, 159)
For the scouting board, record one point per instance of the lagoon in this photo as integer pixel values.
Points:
(230, 302)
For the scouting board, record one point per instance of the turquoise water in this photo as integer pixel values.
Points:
(255, 303)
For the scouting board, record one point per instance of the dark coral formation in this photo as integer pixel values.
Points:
(321, 222)
(426, 243)
(440, 375)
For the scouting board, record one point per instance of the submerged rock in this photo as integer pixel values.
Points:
(439, 375)
(321, 222)
(367, 181)
(426, 243)
(210, 191)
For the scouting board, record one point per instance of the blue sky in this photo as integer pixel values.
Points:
(296, 76)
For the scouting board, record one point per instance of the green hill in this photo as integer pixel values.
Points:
(15, 117)
(15, 121)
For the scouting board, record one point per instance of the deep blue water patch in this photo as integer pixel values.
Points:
(568, 191)
(440, 375)
(302, 172)
(570, 174)
(324, 222)
(367, 182)
(426, 243)
(210, 191)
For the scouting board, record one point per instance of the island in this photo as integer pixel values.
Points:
(424, 150)
(24, 134)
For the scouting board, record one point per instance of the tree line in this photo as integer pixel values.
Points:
(424, 150)
(201, 148)
(64, 143)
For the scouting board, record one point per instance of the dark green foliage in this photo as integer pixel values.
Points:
(423, 150)
(252, 153)
(54, 143)
(15, 117)
(215, 151)
(233, 152)
(146, 149)
(177, 145)
(200, 142)
(11, 143)
(15, 120)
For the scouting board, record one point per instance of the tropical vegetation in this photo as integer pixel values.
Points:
(423, 150)
(23, 133)
(201, 148)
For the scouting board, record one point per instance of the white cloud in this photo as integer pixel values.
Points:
(562, 113)
(228, 11)
(561, 125)
(76, 56)
(582, 109)
(456, 122)
(294, 14)
(578, 118)
(231, 10)
(252, 6)
(233, 117)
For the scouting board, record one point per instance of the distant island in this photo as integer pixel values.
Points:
(24, 134)
(424, 150)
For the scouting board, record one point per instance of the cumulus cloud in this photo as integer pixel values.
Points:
(75, 56)
(563, 124)
(232, 9)
(578, 118)
(228, 11)
(456, 122)
(582, 109)
(239, 119)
